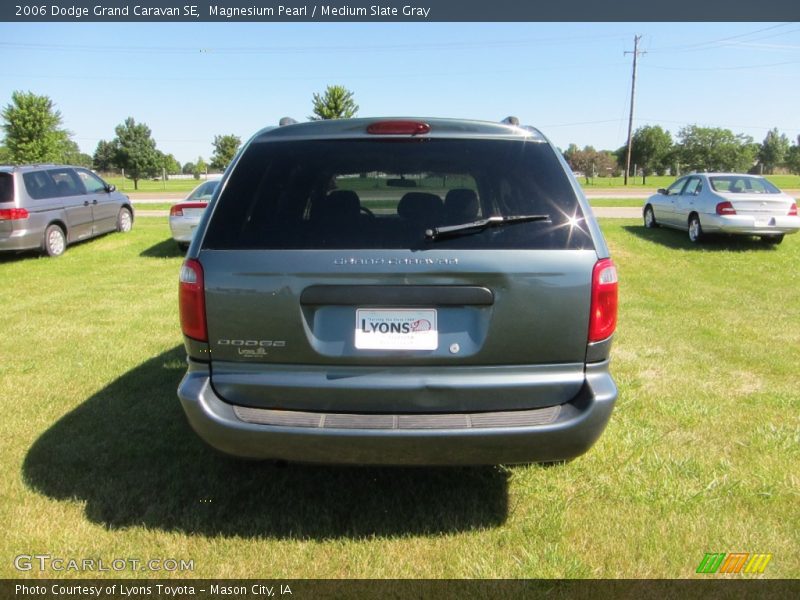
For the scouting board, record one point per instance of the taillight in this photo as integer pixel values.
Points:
(725, 208)
(192, 301)
(603, 317)
(13, 214)
(793, 209)
(398, 128)
(177, 209)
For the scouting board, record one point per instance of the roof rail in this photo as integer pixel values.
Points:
(511, 121)
(286, 121)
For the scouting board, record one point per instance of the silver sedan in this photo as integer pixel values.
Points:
(185, 216)
(701, 203)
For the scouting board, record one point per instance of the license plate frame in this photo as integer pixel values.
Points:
(396, 329)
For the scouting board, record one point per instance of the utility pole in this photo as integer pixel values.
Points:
(636, 52)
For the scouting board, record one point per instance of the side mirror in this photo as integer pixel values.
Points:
(661, 191)
(110, 187)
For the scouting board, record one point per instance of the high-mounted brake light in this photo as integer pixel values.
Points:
(13, 214)
(192, 301)
(725, 208)
(177, 209)
(603, 316)
(398, 128)
(793, 209)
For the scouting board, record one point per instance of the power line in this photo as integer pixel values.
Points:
(736, 68)
(416, 46)
(710, 43)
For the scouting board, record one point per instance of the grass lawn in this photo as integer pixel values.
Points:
(700, 455)
(153, 206)
(638, 202)
(148, 185)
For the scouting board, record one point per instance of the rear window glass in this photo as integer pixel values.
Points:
(376, 194)
(6, 187)
(733, 184)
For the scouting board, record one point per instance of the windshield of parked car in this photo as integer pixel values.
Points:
(735, 184)
(379, 193)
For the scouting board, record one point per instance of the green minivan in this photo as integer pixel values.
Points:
(399, 291)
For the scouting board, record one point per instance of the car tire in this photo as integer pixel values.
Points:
(649, 217)
(695, 229)
(55, 240)
(124, 220)
(772, 240)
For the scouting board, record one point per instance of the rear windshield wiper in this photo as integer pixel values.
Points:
(437, 233)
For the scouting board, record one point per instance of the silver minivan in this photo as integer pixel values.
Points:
(49, 206)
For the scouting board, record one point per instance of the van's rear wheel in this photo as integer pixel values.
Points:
(55, 241)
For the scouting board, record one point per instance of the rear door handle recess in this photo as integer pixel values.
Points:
(397, 295)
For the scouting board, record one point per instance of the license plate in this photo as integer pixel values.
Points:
(396, 329)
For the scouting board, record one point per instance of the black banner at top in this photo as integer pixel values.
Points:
(189, 11)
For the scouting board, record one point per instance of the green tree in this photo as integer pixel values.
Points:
(167, 165)
(225, 148)
(650, 148)
(200, 168)
(135, 151)
(773, 150)
(171, 164)
(570, 153)
(605, 164)
(33, 129)
(188, 168)
(336, 103)
(793, 158)
(582, 161)
(72, 155)
(103, 158)
(715, 149)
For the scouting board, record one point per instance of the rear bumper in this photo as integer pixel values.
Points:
(183, 228)
(540, 435)
(751, 224)
(21, 239)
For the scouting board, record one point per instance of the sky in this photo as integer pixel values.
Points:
(191, 81)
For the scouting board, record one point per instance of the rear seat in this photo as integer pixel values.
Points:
(461, 206)
(421, 209)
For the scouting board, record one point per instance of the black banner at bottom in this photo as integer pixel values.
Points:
(308, 589)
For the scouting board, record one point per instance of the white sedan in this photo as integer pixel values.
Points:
(702, 203)
(185, 216)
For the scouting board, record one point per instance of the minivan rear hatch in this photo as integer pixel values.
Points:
(359, 259)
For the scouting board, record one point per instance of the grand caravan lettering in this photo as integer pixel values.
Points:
(394, 261)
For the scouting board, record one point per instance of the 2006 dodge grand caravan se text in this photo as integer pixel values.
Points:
(399, 291)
